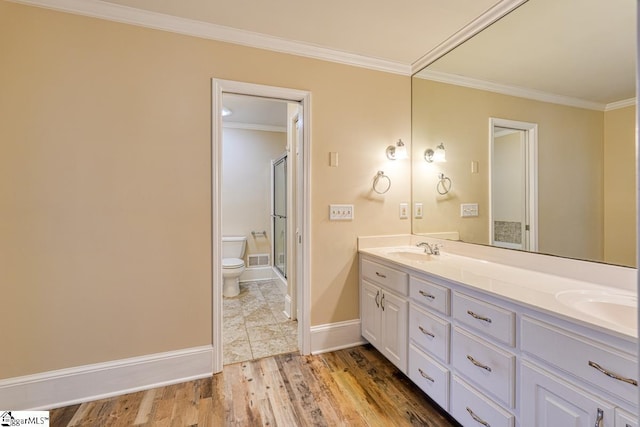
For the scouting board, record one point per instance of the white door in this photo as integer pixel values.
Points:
(371, 313)
(512, 189)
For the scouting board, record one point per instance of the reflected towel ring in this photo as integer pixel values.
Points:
(444, 185)
(383, 186)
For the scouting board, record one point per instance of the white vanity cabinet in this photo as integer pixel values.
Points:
(493, 361)
(570, 379)
(384, 310)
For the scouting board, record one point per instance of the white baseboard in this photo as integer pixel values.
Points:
(65, 387)
(335, 336)
(257, 273)
(287, 306)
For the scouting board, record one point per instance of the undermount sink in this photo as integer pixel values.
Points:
(411, 255)
(614, 306)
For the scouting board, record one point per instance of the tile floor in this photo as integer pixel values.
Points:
(254, 324)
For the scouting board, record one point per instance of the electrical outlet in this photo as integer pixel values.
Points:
(340, 212)
(417, 210)
(404, 210)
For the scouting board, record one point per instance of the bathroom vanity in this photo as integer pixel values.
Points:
(495, 342)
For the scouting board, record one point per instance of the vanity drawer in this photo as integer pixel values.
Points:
(471, 408)
(488, 366)
(430, 376)
(485, 317)
(429, 295)
(429, 332)
(390, 278)
(578, 355)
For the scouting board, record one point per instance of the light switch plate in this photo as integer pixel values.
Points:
(340, 212)
(417, 210)
(404, 210)
(468, 209)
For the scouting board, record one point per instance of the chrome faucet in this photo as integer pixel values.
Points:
(431, 249)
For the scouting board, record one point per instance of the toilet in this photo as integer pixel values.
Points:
(233, 248)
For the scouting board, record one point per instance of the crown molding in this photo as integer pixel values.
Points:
(474, 27)
(159, 21)
(620, 104)
(510, 90)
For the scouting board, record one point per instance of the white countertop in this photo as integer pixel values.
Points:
(564, 296)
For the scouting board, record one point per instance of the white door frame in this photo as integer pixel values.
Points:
(218, 87)
(531, 173)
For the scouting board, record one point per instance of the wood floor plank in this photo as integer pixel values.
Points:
(352, 387)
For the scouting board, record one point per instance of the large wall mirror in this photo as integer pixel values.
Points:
(536, 115)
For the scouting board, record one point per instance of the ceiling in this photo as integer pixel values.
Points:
(586, 53)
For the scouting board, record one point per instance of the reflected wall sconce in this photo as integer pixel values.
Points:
(398, 151)
(438, 156)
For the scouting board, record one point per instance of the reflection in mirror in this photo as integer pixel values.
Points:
(574, 77)
(513, 199)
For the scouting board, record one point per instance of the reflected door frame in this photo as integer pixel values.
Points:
(530, 163)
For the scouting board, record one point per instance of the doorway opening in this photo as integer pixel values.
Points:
(513, 196)
(260, 190)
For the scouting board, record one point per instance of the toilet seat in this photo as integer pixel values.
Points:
(230, 263)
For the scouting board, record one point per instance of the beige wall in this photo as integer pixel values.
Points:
(105, 194)
(570, 167)
(246, 183)
(620, 189)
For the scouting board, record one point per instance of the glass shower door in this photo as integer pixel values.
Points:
(279, 215)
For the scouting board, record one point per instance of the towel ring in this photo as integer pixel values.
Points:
(383, 186)
(444, 185)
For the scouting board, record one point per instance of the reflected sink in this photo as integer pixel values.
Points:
(409, 255)
(618, 307)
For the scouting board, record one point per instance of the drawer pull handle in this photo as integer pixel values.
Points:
(476, 316)
(599, 418)
(478, 364)
(382, 302)
(477, 418)
(425, 376)
(381, 275)
(424, 331)
(612, 375)
(377, 296)
(426, 295)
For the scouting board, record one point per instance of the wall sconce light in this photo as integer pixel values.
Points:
(397, 152)
(438, 156)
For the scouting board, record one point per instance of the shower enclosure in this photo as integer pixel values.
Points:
(279, 214)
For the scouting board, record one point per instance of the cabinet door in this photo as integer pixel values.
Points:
(394, 329)
(370, 313)
(625, 419)
(548, 401)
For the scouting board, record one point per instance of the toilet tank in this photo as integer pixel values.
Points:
(233, 246)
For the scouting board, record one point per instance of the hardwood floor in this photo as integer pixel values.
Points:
(351, 387)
